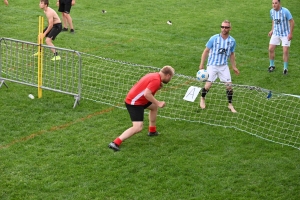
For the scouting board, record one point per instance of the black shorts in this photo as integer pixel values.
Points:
(56, 29)
(65, 6)
(137, 112)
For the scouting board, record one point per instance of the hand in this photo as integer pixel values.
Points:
(161, 104)
(6, 2)
(41, 36)
(57, 3)
(270, 33)
(236, 71)
(73, 2)
(290, 37)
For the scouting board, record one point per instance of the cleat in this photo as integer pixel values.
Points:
(72, 31)
(202, 103)
(153, 133)
(114, 146)
(271, 68)
(285, 72)
(103, 11)
(169, 22)
(64, 29)
(56, 58)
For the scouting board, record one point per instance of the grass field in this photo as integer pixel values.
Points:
(50, 151)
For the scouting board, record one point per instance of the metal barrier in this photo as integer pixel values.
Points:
(19, 64)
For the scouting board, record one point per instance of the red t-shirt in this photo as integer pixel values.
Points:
(136, 96)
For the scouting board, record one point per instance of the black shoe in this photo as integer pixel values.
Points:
(72, 31)
(271, 68)
(65, 29)
(153, 133)
(114, 146)
(285, 72)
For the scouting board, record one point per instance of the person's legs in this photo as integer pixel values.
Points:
(229, 94)
(49, 43)
(275, 40)
(213, 74)
(152, 119)
(136, 127)
(204, 91)
(285, 48)
(137, 117)
(67, 20)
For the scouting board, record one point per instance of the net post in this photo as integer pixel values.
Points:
(40, 56)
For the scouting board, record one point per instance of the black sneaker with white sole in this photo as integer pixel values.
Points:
(153, 133)
(114, 146)
(271, 68)
(285, 72)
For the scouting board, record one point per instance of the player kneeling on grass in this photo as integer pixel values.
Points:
(53, 29)
(140, 97)
(218, 49)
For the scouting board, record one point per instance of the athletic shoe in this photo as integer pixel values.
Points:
(285, 72)
(114, 146)
(153, 133)
(56, 58)
(72, 31)
(64, 29)
(271, 68)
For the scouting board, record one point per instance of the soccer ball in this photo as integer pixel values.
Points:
(202, 75)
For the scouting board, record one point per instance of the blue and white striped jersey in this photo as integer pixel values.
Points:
(281, 20)
(220, 49)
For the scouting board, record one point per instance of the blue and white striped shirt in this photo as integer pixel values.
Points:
(281, 20)
(220, 49)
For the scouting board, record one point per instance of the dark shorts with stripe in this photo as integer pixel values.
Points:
(56, 29)
(136, 112)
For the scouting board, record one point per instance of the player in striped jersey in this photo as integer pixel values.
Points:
(282, 31)
(218, 49)
(140, 97)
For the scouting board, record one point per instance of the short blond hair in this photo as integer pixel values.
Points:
(227, 22)
(168, 70)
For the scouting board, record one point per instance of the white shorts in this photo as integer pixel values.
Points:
(221, 71)
(275, 40)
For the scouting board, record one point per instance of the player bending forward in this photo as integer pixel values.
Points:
(219, 48)
(53, 29)
(140, 97)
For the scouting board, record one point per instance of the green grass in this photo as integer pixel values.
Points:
(50, 151)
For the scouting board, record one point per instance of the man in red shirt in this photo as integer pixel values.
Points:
(140, 97)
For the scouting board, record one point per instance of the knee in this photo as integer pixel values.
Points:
(139, 129)
(271, 49)
(48, 40)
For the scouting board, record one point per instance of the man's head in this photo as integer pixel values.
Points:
(44, 3)
(225, 27)
(166, 74)
(276, 4)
